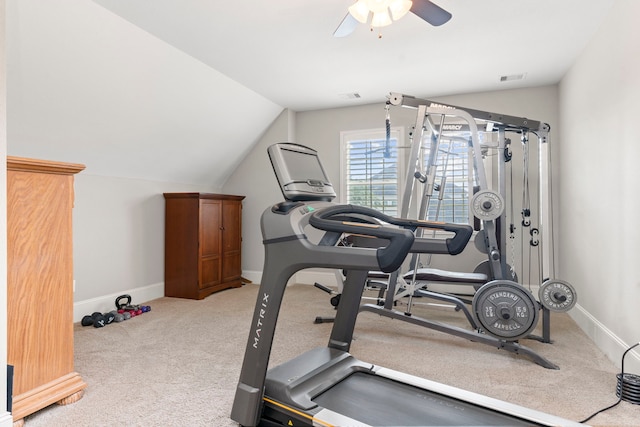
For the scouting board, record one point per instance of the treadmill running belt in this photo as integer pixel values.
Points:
(380, 401)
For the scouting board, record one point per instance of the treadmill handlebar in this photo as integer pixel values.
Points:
(459, 241)
(390, 257)
(402, 239)
(455, 244)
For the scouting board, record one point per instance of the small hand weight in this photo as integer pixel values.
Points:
(98, 320)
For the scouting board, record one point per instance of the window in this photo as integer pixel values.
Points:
(372, 176)
(450, 202)
(370, 170)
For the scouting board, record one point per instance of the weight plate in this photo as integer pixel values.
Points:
(480, 243)
(557, 295)
(487, 205)
(505, 310)
(628, 392)
(485, 268)
(630, 380)
(628, 389)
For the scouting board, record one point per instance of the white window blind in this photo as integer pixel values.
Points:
(370, 170)
(372, 173)
(450, 203)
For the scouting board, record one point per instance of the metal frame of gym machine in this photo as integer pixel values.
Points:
(494, 228)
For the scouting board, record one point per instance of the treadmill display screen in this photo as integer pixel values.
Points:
(303, 166)
(300, 173)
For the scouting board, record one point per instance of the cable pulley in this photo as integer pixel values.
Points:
(505, 310)
(487, 205)
(526, 217)
(508, 155)
(534, 232)
(557, 295)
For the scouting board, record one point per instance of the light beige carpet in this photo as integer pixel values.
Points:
(178, 365)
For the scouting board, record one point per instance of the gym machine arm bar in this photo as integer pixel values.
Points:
(523, 123)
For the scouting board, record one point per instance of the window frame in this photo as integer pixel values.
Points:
(403, 152)
(466, 170)
(397, 133)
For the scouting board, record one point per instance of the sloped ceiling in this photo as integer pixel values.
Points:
(180, 90)
(86, 86)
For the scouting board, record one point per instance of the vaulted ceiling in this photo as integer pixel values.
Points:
(180, 90)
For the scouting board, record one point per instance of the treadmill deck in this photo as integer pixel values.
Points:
(375, 400)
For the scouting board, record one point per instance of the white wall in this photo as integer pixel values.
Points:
(255, 180)
(118, 240)
(86, 86)
(599, 232)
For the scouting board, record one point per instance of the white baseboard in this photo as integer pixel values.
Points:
(6, 420)
(141, 295)
(303, 277)
(610, 344)
(254, 276)
(106, 303)
(309, 277)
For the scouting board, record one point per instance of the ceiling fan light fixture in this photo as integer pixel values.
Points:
(381, 19)
(378, 5)
(360, 11)
(385, 12)
(399, 8)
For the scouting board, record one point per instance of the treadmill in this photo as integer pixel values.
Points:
(328, 386)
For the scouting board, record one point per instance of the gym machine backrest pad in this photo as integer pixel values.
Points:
(290, 248)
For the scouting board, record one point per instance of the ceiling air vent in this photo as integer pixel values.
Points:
(513, 77)
(351, 95)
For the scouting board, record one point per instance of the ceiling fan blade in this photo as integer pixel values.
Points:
(430, 12)
(346, 27)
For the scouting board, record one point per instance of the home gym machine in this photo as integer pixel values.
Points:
(503, 311)
(327, 386)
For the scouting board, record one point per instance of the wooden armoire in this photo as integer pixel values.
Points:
(203, 244)
(40, 284)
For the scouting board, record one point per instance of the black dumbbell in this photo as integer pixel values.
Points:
(87, 321)
(98, 320)
(109, 318)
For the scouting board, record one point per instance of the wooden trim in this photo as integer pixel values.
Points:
(43, 166)
(202, 196)
(56, 391)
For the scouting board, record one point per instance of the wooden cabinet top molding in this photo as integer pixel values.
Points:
(42, 166)
(202, 196)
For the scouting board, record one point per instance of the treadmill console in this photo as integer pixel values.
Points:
(300, 173)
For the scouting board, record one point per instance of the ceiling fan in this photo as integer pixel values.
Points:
(384, 12)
